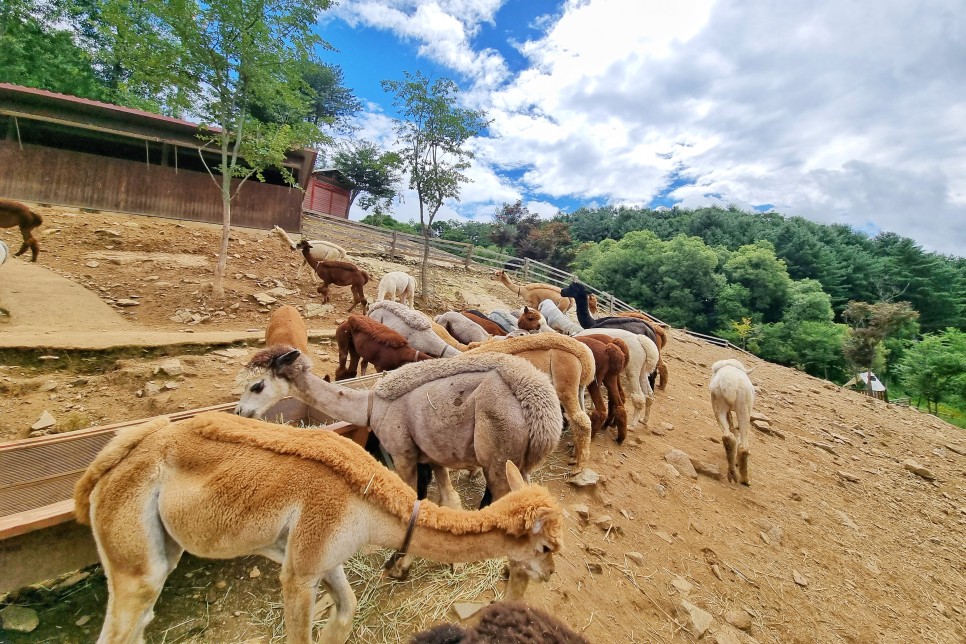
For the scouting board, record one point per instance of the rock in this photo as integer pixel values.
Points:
(581, 511)
(668, 427)
(605, 522)
(264, 298)
(682, 585)
(92, 264)
(699, 620)
(171, 385)
(181, 316)
(230, 353)
(45, 421)
(73, 580)
(758, 416)
(211, 596)
(595, 568)
(661, 490)
(847, 521)
(918, 469)
(221, 584)
(50, 385)
(584, 478)
(664, 535)
(739, 619)
(636, 557)
(171, 367)
(848, 476)
(637, 478)
(83, 620)
(658, 432)
(127, 302)
(255, 573)
(681, 462)
(151, 388)
(465, 610)
(799, 579)
(107, 232)
(824, 446)
(281, 291)
(958, 449)
(313, 310)
(708, 469)
(726, 637)
(795, 496)
(19, 618)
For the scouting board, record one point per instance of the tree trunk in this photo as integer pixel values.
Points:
(424, 296)
(218, 285)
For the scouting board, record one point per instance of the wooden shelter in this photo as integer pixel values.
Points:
(64, 150)
(327, 194)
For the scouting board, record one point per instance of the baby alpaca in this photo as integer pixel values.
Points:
(397, 286)
(511, 622)
(732, 391)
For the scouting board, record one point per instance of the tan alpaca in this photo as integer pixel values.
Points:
(570, 366)
(732, 391)
(220, 486)
(287, 328)
(535, 292)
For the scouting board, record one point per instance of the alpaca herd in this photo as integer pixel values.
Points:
(463, 390)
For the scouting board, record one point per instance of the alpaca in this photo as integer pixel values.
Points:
(531, 320)
(340, 274)
(319, 249)
(509, 622)
(461, 327)
(219, 486)
(503, 319)
(397, 285)
(287, 328)
(570, 366)
(488, 325)
(661, 339)
(14, 213)
(414, 326)
(441, 331)
(362, 337)
(535, 292)
(732, 391)
(609, 361)
(641, 362)
(557, 320)
(461, 413)
(4, 252)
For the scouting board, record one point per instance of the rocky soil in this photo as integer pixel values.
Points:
(853, 530)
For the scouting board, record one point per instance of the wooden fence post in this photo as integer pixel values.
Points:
(526, 268)
(611, 302)
(392, 249)
(469, 256)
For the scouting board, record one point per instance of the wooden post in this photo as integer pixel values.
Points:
(392, 249)
(469, 256)
(612, 303)
(526, 268)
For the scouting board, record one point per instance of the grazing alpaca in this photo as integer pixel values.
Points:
(488, 325)
(641, 361)
(535, 292)
(14, 213)
(319, 249)
(397, 285)
(732, 391)
(362, 337)
(414, 326)
(287, 328)
(508, 622)
(570, 366)
(340, 274)
(441, 331)
(661, 339)
(557, 320)
(461, 413)
(220, 487)
(461, 327)
(609, 361)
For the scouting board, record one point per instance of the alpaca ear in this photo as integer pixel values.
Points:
(526, 310)
(286, 359)
(326, 378)
(514, 477)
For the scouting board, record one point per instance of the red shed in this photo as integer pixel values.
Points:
(327, 193)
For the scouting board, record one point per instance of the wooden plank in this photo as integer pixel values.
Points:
(44, 554)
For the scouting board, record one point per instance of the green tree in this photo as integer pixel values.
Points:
(370, 172)
(935, 368)
(219, 58)
(434, 134)
(870, 324)
(756, 267)
(330, 104)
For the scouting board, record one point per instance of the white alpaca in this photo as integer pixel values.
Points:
(732, 391)
(397, 286)
(557, 320)
(461, 327)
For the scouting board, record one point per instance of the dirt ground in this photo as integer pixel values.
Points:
(835, 541)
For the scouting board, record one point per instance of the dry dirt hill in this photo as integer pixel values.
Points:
(835, 541)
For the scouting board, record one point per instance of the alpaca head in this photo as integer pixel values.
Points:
(530, 319)
(574, 289)
(303, 245)
(268, 378)
(533, 552)
(497, 276)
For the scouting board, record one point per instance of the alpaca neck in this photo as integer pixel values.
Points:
(349, 405)
(583, 311)
(509, 283)
(439, 544)
(314, 263)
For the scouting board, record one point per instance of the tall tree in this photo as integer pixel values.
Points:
(935, 368)
(434, 133)
(870, 324)
(218, 58)
(372, 173)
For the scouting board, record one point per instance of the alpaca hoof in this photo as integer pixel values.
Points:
(397, 572)
(732, 476)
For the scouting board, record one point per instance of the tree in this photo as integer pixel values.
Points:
(756, 267)
(870, 324)
(935, 368)
(434, 133)
(370, 172)
(219, 58)
(330, 104)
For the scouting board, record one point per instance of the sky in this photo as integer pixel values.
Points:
(840, 111)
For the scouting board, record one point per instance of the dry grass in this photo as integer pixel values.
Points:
(73, 420)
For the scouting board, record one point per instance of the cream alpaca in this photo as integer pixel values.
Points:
(396, 285)
(414, 326)
(732, 391)
(535, 292)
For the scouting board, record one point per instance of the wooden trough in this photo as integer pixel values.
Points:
(39, 538)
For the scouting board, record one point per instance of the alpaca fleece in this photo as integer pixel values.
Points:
(413, 318)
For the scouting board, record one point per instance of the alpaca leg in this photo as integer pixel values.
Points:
(298, 597)
(518, 582)
(662, 371)
(339, 626)
(448, 496)
(406, 467)
(580, 422)
(597, 418)
(647, 408)
(323, 290)
(744, 421)
(730, 446)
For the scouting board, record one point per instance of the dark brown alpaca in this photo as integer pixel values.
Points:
(488, 325)
(362, 337)
(660, 339)
(610, 355)
(14, 213)
(340, 274)
(509, 622)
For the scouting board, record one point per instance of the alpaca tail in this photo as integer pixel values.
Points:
(343, 340)
(545, 420)
(113, 453)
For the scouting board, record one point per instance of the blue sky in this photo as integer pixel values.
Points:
(839, 112)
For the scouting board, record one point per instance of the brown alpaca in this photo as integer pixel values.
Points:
(14, 213)
(530, 320)
(339, 274)
(660, 339)
(570, 366)
(220, 486)
(287, 328)
(535, 292)
(609, 359)
(488, 325)
(362, 337)
(508, 622)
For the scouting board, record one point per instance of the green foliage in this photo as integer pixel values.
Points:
(386, 221)
(764, 277)
(935, 368)
(870, 324)
(370, 172)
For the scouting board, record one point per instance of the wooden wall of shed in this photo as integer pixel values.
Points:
(82, 180)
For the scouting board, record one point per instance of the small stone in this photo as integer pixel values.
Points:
(211, 596)
(739, 619)
(171, 367)
(637, 478)
(151, 388)
(699, 620)
(581, 511)
(92, 264)
(107, 232)
(46, 420)
(708, 469)
(681, 462)
(465, 610)
(50, 385)
(221, 584)
(825, 447)
(847, 521)
(917, 469)
(795, 496)
(255, 573)
(281, 292)
(83, 620)
(636, 557)
(584, 478)
(604, 522)
(264, 298)
(682, 585)
(661, 490)
(848, 476)
(664, 535)
(595, 568)
(19, 618)
(799, 579)
(127, 302)
(171, 385)
(958, 449)
(717, 572)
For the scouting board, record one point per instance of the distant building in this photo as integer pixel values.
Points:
(70, 151)
(861, 383)
(327, 193)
